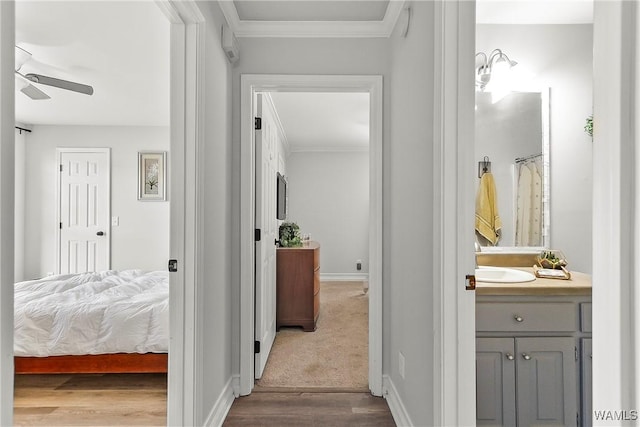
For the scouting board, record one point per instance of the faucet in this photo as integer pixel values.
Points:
(478, 249)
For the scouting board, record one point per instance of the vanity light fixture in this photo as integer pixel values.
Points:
(496, 62)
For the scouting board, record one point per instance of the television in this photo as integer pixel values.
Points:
(281, 209)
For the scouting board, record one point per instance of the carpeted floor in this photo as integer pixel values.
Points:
(335, 355)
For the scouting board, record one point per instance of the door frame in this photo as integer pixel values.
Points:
(59, 152)
(453, 368)
(187, 88)
(250, 84)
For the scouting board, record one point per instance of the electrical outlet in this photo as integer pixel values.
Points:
(359, 265)
(401, 364)
(115, 221)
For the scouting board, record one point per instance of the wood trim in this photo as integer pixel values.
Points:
(93, 364)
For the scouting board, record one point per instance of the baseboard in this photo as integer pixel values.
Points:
(343, 277)
(398, 411)
(221, 407)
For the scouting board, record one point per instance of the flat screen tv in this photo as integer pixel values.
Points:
(281, 210)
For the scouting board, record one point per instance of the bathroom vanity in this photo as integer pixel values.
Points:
(533, 344)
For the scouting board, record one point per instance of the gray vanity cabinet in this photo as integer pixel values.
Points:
(531, 365)
(495, 382)
(546, 387)
(587, 385)
(526, 381)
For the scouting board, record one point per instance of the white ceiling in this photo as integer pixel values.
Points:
(311, 10)
(534, 11)
(120, 48)
(324, 121)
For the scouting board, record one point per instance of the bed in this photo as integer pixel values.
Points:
(99, 322)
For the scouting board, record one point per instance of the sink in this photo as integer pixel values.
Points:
(502, 275)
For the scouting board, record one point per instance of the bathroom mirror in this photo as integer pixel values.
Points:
(512, 133)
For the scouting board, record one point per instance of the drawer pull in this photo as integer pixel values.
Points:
(525, 356)
(518, 318)
(509, 356)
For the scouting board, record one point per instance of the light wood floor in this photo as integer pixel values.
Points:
(81, 400)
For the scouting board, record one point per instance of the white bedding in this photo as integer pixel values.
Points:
(92, 313)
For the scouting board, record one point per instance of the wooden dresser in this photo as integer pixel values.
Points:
(298, 286)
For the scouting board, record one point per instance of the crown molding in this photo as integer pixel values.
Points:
(313, 29)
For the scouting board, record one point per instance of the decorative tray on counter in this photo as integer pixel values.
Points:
(552, 273)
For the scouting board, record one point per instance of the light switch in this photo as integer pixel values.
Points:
(115, 221)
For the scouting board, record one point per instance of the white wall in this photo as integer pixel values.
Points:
(142, 238)
(217, 236)
(409, 217)
(20, 199)
(560, 57)
(329, 198)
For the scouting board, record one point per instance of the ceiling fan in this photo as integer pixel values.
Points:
(24, 80)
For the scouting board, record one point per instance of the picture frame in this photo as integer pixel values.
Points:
(152, 175)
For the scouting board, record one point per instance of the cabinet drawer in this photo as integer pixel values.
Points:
(585, 317)
(527, 317)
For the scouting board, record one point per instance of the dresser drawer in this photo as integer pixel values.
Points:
(585, 317)
(526, 317)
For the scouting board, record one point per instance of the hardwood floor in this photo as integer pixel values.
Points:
(334, 409)
(141, 399)
(76, 400)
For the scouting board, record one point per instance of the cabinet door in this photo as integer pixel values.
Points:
(586, 382)
(495, 382)
(546, 387)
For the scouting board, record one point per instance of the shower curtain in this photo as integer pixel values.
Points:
(529, 203)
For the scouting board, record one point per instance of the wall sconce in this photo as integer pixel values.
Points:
(497, 62)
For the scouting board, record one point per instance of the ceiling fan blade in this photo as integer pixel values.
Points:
(34, 93)
(62, 84)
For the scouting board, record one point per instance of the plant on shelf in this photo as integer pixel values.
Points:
(290, 235)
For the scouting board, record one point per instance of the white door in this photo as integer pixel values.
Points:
(266, 222)
(84, 210)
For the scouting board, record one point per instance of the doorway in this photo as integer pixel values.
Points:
(321, 152)
(185, 49)
(251, 85)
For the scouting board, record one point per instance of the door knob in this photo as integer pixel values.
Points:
(509, 356)
(100, 233)
(525, 356)
(518, 318)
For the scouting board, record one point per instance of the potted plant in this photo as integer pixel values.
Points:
(290, 235)
(588, 127)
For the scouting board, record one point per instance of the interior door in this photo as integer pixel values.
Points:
(266, 168)
(84, 202)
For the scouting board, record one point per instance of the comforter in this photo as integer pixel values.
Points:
(92, 313)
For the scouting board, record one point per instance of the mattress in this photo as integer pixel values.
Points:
(92, 313)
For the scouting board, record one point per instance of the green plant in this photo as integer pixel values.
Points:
(290, 235)
(588, 127)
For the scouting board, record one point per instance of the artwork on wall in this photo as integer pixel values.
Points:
(151, 175)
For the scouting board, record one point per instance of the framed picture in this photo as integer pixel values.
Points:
(152, 176)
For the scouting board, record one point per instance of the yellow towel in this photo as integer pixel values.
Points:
(488, 222)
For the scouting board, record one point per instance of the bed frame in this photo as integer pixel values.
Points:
(93, 364)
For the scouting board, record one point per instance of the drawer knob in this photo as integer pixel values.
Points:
(525, 356)
(518, 318)
(509, 356)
